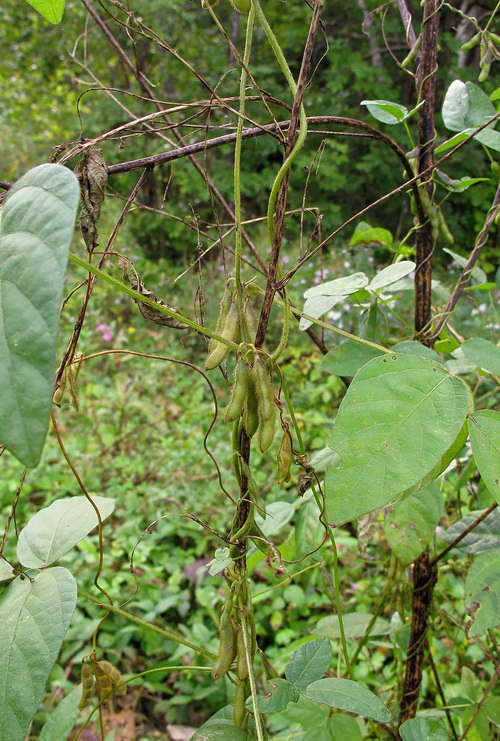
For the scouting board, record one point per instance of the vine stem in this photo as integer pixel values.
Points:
(251, 679)
(237, 159)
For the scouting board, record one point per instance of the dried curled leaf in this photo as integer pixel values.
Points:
(149, 313)
(69, 381)
(93, 181)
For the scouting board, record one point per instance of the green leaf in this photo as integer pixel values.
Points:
(450, 143)
(339, 287)
(5, 571)
(279, 694)
(344, 727)
(221, 561)
(385, 111)
(371, 236)
(398, 427)
(345, 694)
(61, 720)
(465, 106)
(316, 307)
(278, 515)
(391, 274)
(458, 186)
(492, 709)
(484, 430)
(410, 526)
(483, 353)
(470, 684)
(346, 358)
(51, 10)
(411, 347)
(55, 529)
(218, 732)
(482, 586)
(309, 663)
(35, 233)
(355, 625)
(423, 729)
(308, 531)
(478, 275)
(484, 538)
(35, 613)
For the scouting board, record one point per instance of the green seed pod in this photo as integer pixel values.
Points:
(495, 169)
(493, 37)
(239, 710)
(251, 412)
(242, 665)
(224, 307)
(249, 322)
(243, 6)
(230, 332)
(266, 434)
(238, 392)
(444, 228)
(471, 43)
(264, 390)
(227, 647)
(285, 457)
(87, 686)
(412, 53)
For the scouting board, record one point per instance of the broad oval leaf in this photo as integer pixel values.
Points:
(410, 526)
(278, 514)
(55, 529)
(355, 625)
(423, 729)
(385, 111)
(478, 276)
(339, 287)
(309, 663)
(466, 105)
(279, 694)
(482, 587)
(346, 358)
(219, 732)
(484, 431)
(35, 234)
(411, 347)
(483, 353)
(398, 427)
(35, 613)
(316, 307)
(51, 10)
(60, 722)
(484, 538)
(5, 571)
(345, 694)
(391, 274)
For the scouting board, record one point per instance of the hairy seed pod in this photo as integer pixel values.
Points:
(266, 434)
(230, 332)
(263, 390)
(242, 664)
(87, 686)
(285, 457)
(227, 647)
(239, 710)
(107, 677)
(224, 307)
(238, 392)
(243, 6)
(412, 53)
(249, 322)
(251, 412)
